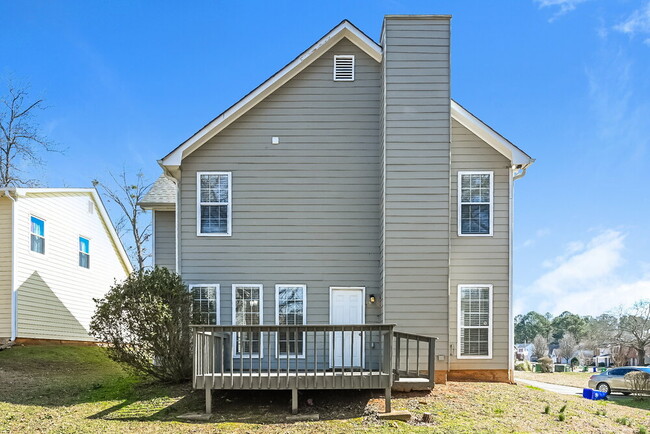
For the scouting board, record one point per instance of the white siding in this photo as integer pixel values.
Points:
(55, 294)
(5, 267)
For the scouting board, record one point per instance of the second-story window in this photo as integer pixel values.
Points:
(37, 237)
(214, 203)
(475, 203)
(84, 252)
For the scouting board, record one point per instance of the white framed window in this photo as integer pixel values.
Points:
(290, 309)
(214, 203)
(475, 321)
(37, 235)
(475, 203)
(205, 303)
(344, 67)
(84, 252)
(247, 309)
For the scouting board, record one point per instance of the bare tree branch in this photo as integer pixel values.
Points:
(132, 227)
(20, 138)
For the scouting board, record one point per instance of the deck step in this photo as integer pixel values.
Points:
(410, 384)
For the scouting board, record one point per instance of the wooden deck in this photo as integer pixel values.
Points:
(329, 357)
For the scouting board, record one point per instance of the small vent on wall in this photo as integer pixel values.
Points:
(344, 68)
(91, 207)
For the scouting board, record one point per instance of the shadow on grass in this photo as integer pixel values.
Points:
(642, 404)
(242, 406)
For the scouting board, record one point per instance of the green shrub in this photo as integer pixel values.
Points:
(145, 322)
(561, 417)
(545, 364)
(523, 366)
(623, 421)
(642, 430)
(563, 408)
(547, 409)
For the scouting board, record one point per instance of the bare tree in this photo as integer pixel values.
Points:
(20, 139)
(133, 226)
(540, 344)
(567, 347)
(634, 326)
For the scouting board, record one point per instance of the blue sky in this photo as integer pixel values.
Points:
(566, 80)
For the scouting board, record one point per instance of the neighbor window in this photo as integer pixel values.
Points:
(205, 304)
(37, 235)
(84, 252)
(474, 203)
(290, 310)
(214, 203)
(247, 310)
(475, 321)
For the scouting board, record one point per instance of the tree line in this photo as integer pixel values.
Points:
(620, 330)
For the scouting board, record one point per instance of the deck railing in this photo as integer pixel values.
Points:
(353, 356)
(415, 356)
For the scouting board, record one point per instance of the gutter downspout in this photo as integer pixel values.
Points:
(511, 325)
(14, 300)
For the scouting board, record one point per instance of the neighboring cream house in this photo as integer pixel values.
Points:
(348, 197)
(59, 250)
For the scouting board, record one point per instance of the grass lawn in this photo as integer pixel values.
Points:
(575, 379)
(77, 389)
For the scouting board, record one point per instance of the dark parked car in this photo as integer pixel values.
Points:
(613, 380)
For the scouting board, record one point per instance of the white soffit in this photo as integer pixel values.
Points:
(489, 136)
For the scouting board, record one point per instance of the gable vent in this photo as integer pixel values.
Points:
(344, 68)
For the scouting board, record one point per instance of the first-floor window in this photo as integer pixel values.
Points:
(475, 321)
(84, 252)
(290, 310)
(205, 304)
(247, 310)
(37, 236)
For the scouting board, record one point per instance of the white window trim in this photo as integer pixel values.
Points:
(217, 295)
(234, 319)
(277, 319)
(490, 326)
(354, 64)
(459, 192)
(87, 239)
(199, 203)
(32, 233)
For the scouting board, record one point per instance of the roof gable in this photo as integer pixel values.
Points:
(103, 214)
(344, 30)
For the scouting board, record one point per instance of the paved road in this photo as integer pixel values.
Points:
(562, 390)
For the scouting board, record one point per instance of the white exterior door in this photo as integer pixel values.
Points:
(347, 307)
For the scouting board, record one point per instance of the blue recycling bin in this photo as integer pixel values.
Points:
(594, 395)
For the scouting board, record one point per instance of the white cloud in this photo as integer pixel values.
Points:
(585, 279)
(540, 233)
(563, 6)
(637, 23)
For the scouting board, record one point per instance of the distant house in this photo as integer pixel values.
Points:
(524, 352)
(59, 250)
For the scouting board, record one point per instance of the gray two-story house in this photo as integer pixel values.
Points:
(342, 214)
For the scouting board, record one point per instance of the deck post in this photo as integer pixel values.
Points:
(294, 401)
(208, 400)
(387, 399)
(432, 361)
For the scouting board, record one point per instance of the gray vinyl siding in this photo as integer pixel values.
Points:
(5, 267)
(482, 260)
(304, 211)
(416, 192)
(165, 239)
